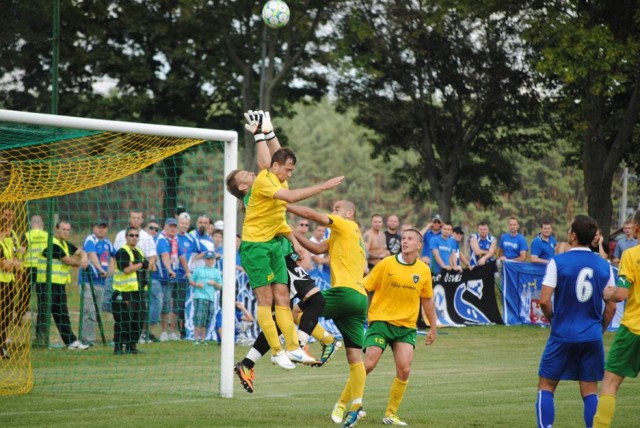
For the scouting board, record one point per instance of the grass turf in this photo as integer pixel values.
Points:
(471, 377)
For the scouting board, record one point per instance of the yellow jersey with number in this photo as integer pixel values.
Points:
(265, 216)
(398, 289)
(630, 269)
(348, 256)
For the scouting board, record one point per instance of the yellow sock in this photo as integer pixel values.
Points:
(398, 387)
(321, 335)
(268, 327)
(287, 327)
(345, 396)
(357, 378)
(606, 409)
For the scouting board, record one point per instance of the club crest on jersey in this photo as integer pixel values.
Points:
(416, 278)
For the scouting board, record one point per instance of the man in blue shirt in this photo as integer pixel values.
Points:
(100, 253)
(513, 246)
(543, 246)
(163, 278)
(443, 250)
(433, 229)
(627, 242)
(578, 315)
(483, 246)
(190, 249)
(205, 241)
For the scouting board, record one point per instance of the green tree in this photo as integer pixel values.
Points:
(444, 81)
(181, 62)
(588, 56)
(328, 144)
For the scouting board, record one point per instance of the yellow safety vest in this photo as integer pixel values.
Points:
(60, 272)
(36, 243)
(7, 252)
(127, 281)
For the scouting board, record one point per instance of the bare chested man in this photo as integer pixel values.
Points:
(375, 242)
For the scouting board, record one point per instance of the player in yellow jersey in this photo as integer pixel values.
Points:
(623, 359)
(400, 284)
(265, 197)
(346, 300)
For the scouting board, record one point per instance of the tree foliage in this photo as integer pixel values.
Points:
(180, 62)
(328, 143)
(444, 81)
(587, 54)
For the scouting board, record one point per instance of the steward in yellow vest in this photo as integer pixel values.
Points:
(35, 241)
(125, 301)
(9, 264)
(64, 255)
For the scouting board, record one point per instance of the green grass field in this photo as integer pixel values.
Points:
(471, 377)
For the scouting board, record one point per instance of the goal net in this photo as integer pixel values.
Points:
(92, 174)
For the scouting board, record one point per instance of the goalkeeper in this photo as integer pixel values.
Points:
(265, 197)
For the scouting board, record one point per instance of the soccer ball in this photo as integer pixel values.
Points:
(275, 13)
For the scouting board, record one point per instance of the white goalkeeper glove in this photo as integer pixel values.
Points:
(254, 125)
(267, 126)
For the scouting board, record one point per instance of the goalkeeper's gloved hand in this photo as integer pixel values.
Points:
(254, 125)
(267, 126)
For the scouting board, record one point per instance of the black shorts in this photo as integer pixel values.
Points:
(300, 283)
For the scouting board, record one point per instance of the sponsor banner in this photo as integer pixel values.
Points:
(467, 297)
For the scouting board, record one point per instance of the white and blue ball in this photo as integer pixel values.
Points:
(275, 14)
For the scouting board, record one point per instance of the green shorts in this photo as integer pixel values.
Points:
(624, 354)
(264, 263)
(348, 310)
(381, 334)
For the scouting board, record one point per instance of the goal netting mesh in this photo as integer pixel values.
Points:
(80, 176)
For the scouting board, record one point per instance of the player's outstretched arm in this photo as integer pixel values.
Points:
(309, 213)
(254, 126)
(295, 195)
(269, 134)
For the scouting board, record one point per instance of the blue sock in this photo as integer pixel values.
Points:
(590, 406)
(545, 412)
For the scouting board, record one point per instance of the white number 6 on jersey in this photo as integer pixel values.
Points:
(584, 288)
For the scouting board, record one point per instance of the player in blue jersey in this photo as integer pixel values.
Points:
(513, 246)
(543, 246)
(578, 315)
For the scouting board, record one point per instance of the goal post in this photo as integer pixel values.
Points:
(29, 142)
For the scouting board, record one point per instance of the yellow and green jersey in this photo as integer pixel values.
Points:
(398, 288)
(348, 256)
(630, 269)
(265, 216)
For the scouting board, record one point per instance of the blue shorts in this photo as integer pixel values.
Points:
(572, 361)
(160, 299)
